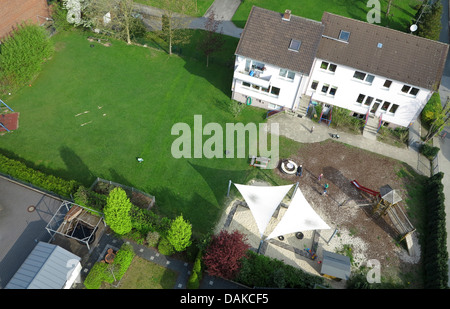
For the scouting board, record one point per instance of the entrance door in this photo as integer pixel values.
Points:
(375, 106)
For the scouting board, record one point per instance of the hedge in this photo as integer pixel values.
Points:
(20, 171)
(435, 251)
(262, 271)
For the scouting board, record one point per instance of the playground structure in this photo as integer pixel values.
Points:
(387, 202)
(8, 121)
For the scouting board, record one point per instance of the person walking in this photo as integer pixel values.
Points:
(325, 187)
(299, 172)
(320, 177)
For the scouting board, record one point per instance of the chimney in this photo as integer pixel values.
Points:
(287, 15)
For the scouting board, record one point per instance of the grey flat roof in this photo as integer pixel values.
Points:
(335, 265)
(47, 267)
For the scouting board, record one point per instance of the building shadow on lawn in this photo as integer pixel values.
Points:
(214, 73)
(76, 169)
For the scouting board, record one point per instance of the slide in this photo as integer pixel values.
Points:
(357, 185)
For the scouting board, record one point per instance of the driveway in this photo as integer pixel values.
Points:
(21, 229)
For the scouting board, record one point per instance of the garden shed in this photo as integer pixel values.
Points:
(47, 267)
(335, 266)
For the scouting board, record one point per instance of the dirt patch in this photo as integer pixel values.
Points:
(349, 209)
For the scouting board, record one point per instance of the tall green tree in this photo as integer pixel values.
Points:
(117, 211)
(175, 20)
(179, 234)
(429, 23)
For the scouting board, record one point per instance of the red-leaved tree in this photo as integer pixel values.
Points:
(223, 255)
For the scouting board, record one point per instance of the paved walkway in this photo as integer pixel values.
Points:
(223, 9)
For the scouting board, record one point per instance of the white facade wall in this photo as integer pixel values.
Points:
(268, 78)
(349, 89)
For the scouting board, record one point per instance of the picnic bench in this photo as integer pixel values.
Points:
(261, 162)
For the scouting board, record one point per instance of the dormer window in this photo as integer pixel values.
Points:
(344, 35)
(295, 45)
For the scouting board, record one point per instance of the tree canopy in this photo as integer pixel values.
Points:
(117, 211)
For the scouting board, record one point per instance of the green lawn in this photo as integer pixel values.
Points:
(402, 11)
(133, 96)
(143, 274)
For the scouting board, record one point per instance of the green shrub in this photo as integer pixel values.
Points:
(164, 247)
(429, 151)
(99, 273)
(193, 282)
(117, 211)
(39, 179)
(152, 239)
(23, 52)
(89, 198)
(435, 251)
(123, 259)
(432, 109)
(262, 271)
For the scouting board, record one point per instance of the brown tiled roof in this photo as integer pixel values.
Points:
(14, 12)
(266, 38)
(402, 56)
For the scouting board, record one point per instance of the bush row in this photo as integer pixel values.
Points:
(196, 276)
(103, 272)
(262, 271)
(37, 178)
(435, 251)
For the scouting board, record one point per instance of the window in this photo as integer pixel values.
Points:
(245, 84)
(314, 85)
(325, 88)
(369, 78)
(387, 83)
(385, 106)
(291, 75)
(275, 91)
(359, 75)
(286, 73)
(410, 90)
(414, 91)
(364, 77)
(344, 35)
(360, 98)
(295, 45)
(265, 89)
(255, 87)
(248, 62)
(406, 88)
(394, 108)
(257, 65)
(333, 91)
(328, 66)
(369, 101)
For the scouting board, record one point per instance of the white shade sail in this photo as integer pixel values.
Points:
(263, 201)
(299, 216)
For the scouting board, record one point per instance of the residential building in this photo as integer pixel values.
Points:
(368, 69)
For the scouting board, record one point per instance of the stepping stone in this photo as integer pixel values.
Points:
(86, 270)
(152, 258)
(141, 250)
(185, 264)
(180, 285)
(211, 282)
(168, 262)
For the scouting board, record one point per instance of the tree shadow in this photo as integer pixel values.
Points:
(75, 167)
